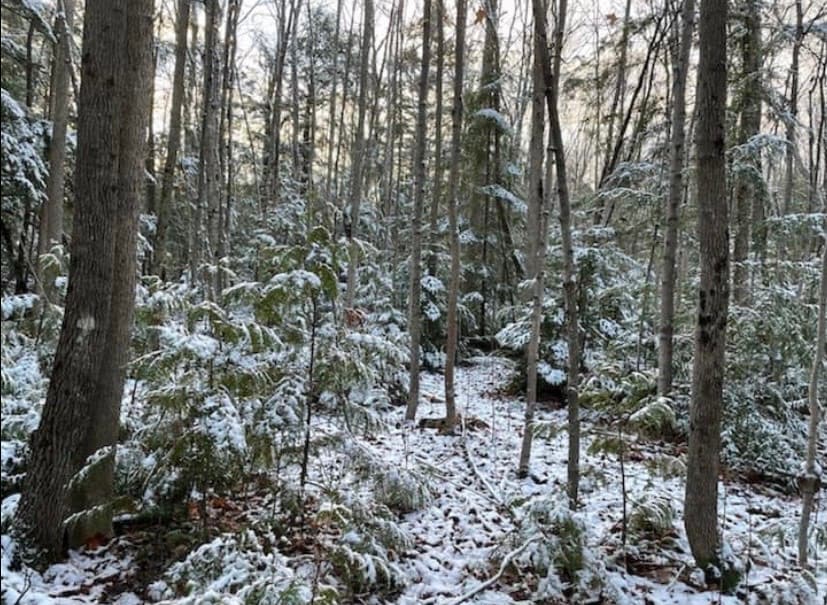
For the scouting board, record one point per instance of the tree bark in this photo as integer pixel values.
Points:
(332, 111)
(82, 344)
(352, 221)
(792, 119)
(745, 188)
(159, 257)
(415, 286)
(701, 501)
(452, 328)
(811, 481)
(536, 250)
(225, 148)
(551, 77)
(51, 217)
(92, 497)
(436, 196)
(676, 162)
(204, 232)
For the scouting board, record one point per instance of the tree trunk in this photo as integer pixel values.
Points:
(811, 481)
(745, 188)
(701, 501)
(619, 92)
(792, 118)
(536, 250)
(91, 498)
(677, 155)
(452, 328)
(415, 288)
(81, 348)
(51, 217)
(551, 77)
(278, 68)
(225, 159)
(205, 233)
(352, 221)
(436, 197)
(159, 257)
(332, 111)
(391, 125)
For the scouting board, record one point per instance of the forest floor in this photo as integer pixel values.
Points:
(472, 523)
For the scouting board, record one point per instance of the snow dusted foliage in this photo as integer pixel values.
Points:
(611, 284)
(235, 569)
(23, 171)
(769, 352)
(22, 380)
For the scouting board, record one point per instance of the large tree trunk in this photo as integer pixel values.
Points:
(159, 257)
(745, 188)
(415, 287)
(701, 501)
(452, 328)
(91, 498)
(76, 374)
(51, 216)
(676, 162)
(352, 221)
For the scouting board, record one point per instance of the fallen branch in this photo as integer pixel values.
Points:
(503, 566)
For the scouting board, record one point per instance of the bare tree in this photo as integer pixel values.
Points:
(535, 249)
(51, 216)
(701, 500)
(352, 222)
(415, 288)
(551, 78)
(792, 118)
(159, 257)
(750, 125)
(677, 154)
(436, 197)
(452, 328)
(810, 482)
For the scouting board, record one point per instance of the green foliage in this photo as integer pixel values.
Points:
(652, 518)
(364, 556)
(245, 565)
(559, 554)
(768, 359)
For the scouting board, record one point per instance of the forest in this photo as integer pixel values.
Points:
(436, 302)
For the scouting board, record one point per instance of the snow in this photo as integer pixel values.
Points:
(474, 513)
(500, 192)
(501, 120)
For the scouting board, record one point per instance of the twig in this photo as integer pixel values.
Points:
(677, 575)
(496, 496)
(505, 563)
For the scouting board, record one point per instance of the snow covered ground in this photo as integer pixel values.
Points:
(481, 514)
